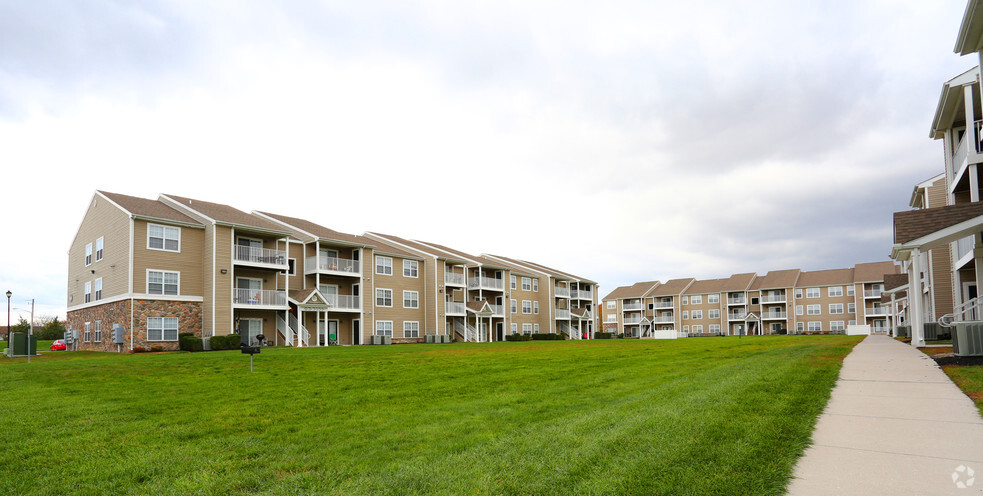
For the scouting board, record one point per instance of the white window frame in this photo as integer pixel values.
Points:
(696, 315)
(835, 308)
(696, 299)
(535, 285)
(88, 292)
(814, 309)
(834, 291)
(385, 263)
(163, 283)
(527, 329)
(612, 317)
(812, 293)
(612, 305)
(852, 322)
(411, 329)
(163, 325)
(383, 292)
(837, 325)
(514, 328)
(713, 313)
(799, 310)
(698, 328)
(413, 267)
(713, 298)
(514, 305)
(87, 333)
(526, 284)
(512, 285)
(800, 326)
(714, 328)
(414, 299)
(98, 290)
(291, 266)
(851, 290)
(164, 238)
(97, 331)
(818, 327)
(100, 247)
(685, 300)
(535, 307)
(88, 254)
(535, 328)
(685, 328)
(526, 307)
(798, 293)
(685, 314)
(384, 328)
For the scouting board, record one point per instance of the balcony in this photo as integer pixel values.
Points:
(629, 320)
(659, 305)
(736, 300)
(736, 315)
(498, 310)
(343, 302)
(583, 294)
(259, 298)
(454, 279)
(631, 307)
(262, 257)
(872, 293)
(876, 312)
(564, 314)
(663, 320)
(455, 308)
(965, 246)
(482, 282)
(774, 315)
(561, 292)
(772, 298)
(332, 265)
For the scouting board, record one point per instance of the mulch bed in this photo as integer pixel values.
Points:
(950, 359)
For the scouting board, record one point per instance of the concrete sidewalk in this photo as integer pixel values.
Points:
(895, 424)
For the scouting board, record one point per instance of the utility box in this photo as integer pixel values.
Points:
(118, 334)
(19, 344)
(69, 338)
(967, 340)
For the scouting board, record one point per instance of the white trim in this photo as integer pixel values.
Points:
(375, 265)
(100, 253)
(87, 257)
(404, 267)
(162, 284)
(164, 239)
(134, 296)
(375, 299)
(375, 327)
(417, 299)
(177, 330)
(417, 322)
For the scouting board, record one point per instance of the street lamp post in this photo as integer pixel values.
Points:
(9, 294)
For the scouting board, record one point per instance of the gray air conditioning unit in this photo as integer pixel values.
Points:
(967, 340)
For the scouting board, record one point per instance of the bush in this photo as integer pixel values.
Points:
(603, 335)
(218, 343)
(232, 342)
(517, 337)
(188, 342)
(548, 336)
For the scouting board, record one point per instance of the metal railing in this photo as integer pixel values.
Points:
(343, 302)
(498, 310)
(561, 291)
(562, 313)
(629, 307)
(266, 297)
(455, 308)
(454, 278)
(285, 330)
(876, 312)
(739, 300)
(663, 320)
(736, 315)
(772, 298)
(872, 293)
(332, 264)
(630, 320)
(486, 283)
(774, 315)
(967, 311)
(260, 255)
(662, 305)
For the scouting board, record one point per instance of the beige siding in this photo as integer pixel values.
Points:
(223, 282)
(104, 219)
(189, 261)
(398, 284)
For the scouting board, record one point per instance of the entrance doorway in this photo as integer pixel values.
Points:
(500, 331)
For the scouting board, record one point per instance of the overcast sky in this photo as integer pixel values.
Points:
(621, 141)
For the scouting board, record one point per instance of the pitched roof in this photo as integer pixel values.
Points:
(874, 272)
(738, 282)
(421, 247)
(559, 274)
(913, 224)
(775, 279)
(671, 287)
(636, 290)
(706, 286)
(224, 214)
(892, 281)
(319, 231)
(826, 277)
(143, 207)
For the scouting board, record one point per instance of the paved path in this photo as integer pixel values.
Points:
(895, 425)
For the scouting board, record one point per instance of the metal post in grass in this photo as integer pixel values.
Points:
(30, 332)
(9, 345)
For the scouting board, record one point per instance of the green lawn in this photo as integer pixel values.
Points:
(690, 416)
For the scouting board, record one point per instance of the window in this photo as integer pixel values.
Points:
(411, 329)
(383, 265)
(698, 329)
(815, 326)
(527, 328)
(98, 289)
(384, 328)
(798, 309)
(514, 327)
(754, 301)
(837, 325)
(535, 328)
(87, 334)
(535, 285)
(697, 314)
(812, 292)
(88, 292)
(686, 328)
(513, 306)
(291, 266)
(715, 328)
(411, 299)
(714, 298)
(88, 254)
(835, 308)
(161, 328)
(852, 322)
(163, 238)
(612, 305)
(835, 291)
(512, 285)
(160, 282)
(713, 313)
(696, 299)
(612, 317)
(526, 306)
(814, 309)
(851, 307)
(798, 293)
(98, 331)
(800, 326)
(526, 284)
(411, 268)
(99, 248)
(850, 290)
(685, 314)
(384, 298)
(686, 300)
(535, 307)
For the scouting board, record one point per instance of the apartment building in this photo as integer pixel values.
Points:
(782, 301)
(938, 241)
(175, 264)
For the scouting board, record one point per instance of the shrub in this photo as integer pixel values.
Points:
(548, 336)
(603, 335)
(517, 337)
(218, 343)
(188, 342)
(232, 342)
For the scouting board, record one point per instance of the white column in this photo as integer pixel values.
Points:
(915, 299)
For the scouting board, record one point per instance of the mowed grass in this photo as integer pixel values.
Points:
(691, 416)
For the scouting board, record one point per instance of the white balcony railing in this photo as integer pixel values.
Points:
(562, 313)
(978, 128)
(250, 254)
(876, 312)
(633, 306)
(561, 292)
(736, 300)
(964, 246)
(662, 304)
(498, 310)
(454, 279)
(736, 315)
(264, 297)
(774, 315)
(663, 320)
(486, 283)
(455, 308)
(343, 302)
(772, 298)
(332, 264)
(872, 293)
(629, 320)
(582, 294)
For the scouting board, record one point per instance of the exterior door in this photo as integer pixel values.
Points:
(251, 328)
(500, 331)
(356, 331)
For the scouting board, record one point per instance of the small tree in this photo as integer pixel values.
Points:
(54, 329)
(22, 325)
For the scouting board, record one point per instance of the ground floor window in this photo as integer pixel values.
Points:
(87, 335)
(527, 328)
(715, 328)
(162, 328)
(384, 328)
(98, 330)
(535, 328)
(515, 327)
(837, 325)
(815, 326)
(411, 329)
